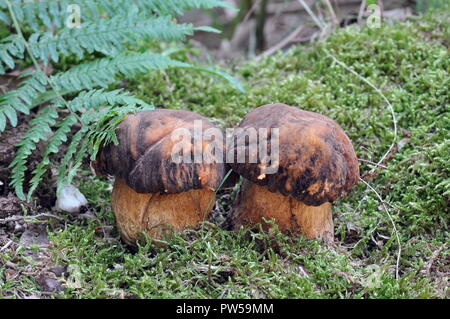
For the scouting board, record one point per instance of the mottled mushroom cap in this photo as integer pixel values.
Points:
(317, 163)
(143, 157)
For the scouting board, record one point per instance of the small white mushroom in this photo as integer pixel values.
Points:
(70, 199)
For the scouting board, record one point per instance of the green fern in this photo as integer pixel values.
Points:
(21, 99)
(103, 72)
(177, 7)
(39, 131)
(10, 48)
(52, 147)
(53, 13)
(72, 149)
(99, 73)
(108, 27)
(107, 36)
(106, 110)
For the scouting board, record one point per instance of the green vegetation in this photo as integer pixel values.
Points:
(104, 49)
(410, 63)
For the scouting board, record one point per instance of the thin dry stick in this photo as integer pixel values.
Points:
(6, 246)
(250, 12)
(391, 108)
(330, 8)
(372, 163)
(393, 225)
(361, 11)
(394, 120)
(16, 218)
(427, 267)
(312, 15)
(316, 20)
(216, 191)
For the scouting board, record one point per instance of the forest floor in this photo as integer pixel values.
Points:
(46, 254)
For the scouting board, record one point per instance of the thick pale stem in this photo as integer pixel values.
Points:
(255, 202)
(158, 215)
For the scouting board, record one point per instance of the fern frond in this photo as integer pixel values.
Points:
(176, 7)
(101, 111)
(4, 17)
(50, 13)
(107, 36)
(20, 100)
(99, 73)
(105, 71)
(10, 48)
(72, 149)
(52, 147)
(92, 101)
(53, 13)
(97, 110)
(104, 130)
(40, 130)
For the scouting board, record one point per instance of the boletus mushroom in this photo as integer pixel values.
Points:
(314, 165)
(153, 193)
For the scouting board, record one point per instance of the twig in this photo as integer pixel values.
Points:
(361, 11)
(16, 218)
(391, 108)
(312, 15)
(433, 257)
(6, 246)
(393, 225)
(250, 12)
(370, 162)
(333, 14)
(303, 272)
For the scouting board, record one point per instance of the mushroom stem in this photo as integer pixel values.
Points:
(255, 202)
(158, 215)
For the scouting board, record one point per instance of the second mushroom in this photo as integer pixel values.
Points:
(316, 164)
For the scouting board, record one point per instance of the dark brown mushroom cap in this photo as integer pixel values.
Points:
(143, 157)
(317, 163)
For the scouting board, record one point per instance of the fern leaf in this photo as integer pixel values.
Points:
(53, 13)
(10, 48)
(94, 99)
(105, 71)
(50, 13)
(107, 36)
(101, 111)
(52, 147)
(177, 7)
(72, 149)
(39, 131)
(20, 100)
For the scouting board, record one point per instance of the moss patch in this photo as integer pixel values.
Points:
(410, 63)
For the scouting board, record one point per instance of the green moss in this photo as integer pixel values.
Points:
(410, 63)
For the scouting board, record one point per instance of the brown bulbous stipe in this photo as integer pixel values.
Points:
(316, 166)
(152, 193)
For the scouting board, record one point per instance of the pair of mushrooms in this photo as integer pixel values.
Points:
(152, 194)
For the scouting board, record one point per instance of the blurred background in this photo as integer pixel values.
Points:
(266, 26)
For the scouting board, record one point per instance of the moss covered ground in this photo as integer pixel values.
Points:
(410, 63)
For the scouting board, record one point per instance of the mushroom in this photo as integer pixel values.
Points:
(153, 193)
(314, 165)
